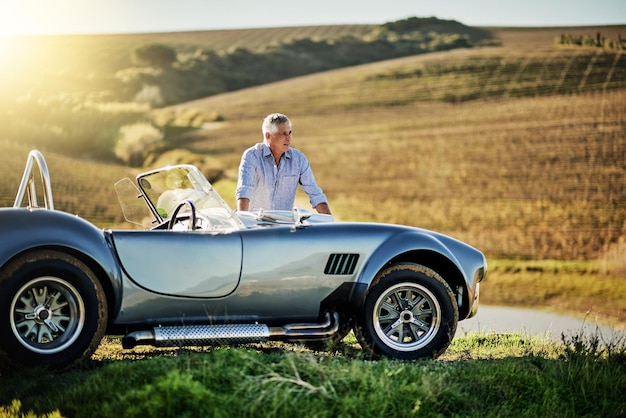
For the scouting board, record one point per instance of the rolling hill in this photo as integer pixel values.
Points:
(518, 149)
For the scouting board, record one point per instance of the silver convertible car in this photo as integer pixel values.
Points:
(198, 273)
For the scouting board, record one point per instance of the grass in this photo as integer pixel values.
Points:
(480, 375)
(579, 289)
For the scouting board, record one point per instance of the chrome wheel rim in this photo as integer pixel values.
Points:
(47, 315)
(406, 316)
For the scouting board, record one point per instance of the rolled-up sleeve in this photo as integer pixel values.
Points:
(309, 185)
(245, 180)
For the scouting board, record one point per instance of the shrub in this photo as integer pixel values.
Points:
(74, 125)
(211, 167)
(157, 55)
(15, 411)
(136, 142)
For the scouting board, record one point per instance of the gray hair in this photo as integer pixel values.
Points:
(271, 122)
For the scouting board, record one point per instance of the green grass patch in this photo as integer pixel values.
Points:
(577, 288)
(480, 375)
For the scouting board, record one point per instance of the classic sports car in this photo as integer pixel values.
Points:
(199, 273)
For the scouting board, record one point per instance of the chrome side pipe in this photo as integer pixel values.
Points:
(201, 335)
(304, 331)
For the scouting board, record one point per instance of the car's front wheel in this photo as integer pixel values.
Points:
(53, 311)
(410, 313)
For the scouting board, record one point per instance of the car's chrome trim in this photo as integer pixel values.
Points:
(27, 185)
(201, 335)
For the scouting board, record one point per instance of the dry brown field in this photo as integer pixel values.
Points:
(533, 167)
(518, 149)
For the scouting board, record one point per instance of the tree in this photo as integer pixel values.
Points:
(157, 55)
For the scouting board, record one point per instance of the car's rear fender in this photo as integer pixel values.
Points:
(26, 230)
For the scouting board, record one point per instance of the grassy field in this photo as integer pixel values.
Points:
(518, 150)
(579, 289)
(531, 169)
(479, 376)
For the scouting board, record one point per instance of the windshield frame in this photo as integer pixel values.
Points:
(164, 188)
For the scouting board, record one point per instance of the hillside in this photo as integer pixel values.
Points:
(190, 65)
(517, 149)
(80, 187)
(97, 55)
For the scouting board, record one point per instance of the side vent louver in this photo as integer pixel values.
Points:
(341, 264)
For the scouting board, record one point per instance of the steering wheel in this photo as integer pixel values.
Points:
(193, 217)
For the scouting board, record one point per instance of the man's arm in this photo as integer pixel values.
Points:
(323, 208)
(310, 187)
(243, 204)
(245, 179)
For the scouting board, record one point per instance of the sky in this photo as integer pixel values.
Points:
(18, 17)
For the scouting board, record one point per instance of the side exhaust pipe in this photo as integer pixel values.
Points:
(201, 335)
(310, 331)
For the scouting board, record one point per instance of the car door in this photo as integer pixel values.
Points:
(288, 271)
(189, 264)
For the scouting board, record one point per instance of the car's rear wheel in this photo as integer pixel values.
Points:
(410, 313)
(53, 311)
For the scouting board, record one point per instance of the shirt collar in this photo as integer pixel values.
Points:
(267, 152)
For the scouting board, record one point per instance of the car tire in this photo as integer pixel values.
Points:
(410, 313)
(53, 311)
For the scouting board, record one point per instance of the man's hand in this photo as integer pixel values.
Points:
(323, 208)
(243, 204)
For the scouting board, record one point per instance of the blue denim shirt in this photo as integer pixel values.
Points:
(274, 188)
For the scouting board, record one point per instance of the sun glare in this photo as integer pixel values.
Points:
(9, 28)
(28, 17)
(19, 18)
(8, 51)
(13, 20)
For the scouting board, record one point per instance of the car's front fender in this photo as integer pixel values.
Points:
(417, 241)
(23, 230)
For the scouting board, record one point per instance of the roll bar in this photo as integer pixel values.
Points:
(27, 185)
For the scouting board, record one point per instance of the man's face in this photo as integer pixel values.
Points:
(280, 141)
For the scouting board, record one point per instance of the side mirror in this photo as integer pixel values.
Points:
(298, 216)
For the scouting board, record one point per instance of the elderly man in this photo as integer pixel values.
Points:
(270, 172)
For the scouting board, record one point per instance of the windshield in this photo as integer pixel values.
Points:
(166, 187)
